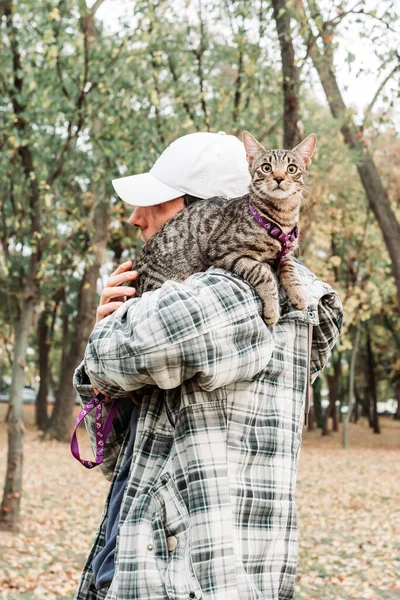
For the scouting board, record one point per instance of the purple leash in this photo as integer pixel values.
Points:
(102, 430)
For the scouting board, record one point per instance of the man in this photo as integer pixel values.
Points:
(202, 499)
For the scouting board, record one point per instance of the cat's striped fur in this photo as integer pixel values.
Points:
(222, 233)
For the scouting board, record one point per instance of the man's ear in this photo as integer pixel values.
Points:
(252, 147)
(306, 149)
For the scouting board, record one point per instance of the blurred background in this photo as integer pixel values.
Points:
(93, 91)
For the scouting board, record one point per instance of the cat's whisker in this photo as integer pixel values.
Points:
(307, 190)
(306, 205)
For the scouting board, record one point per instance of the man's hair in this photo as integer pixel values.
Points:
(188, 199)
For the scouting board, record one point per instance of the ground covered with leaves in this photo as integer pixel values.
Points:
(348, 505)
(349, 515)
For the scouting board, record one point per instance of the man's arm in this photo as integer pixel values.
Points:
(327, 326)
(119, 427)
(112, 297)
(209, 327)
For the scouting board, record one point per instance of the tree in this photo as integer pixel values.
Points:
(39, 176)
(290, 76)
(320, 48)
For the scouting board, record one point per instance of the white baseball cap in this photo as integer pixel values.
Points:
(200, 164)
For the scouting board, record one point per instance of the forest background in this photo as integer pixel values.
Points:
(92, 91)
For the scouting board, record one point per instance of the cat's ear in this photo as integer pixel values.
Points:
(252, 147)
(306, 148)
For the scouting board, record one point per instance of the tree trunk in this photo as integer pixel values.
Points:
(290, 76)
(317, 388)
(62, 379)
(62, 419)
(372, 386)
(333, 386)
(357, 405)
(364, 403)
(311, 418)
(376, 192)
(10, 506)
(396, 415)
(352, 374)
(46, 325)
(44, 352)
(325, 427)
(375, 423)
(334, 415)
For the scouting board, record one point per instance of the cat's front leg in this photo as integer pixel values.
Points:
(291, 281)
(263, 279)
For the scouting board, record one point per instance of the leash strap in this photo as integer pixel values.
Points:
(308, 382)
(101, 430)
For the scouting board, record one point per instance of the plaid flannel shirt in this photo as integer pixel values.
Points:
(209, 508)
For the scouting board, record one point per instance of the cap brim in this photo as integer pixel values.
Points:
(144, 190)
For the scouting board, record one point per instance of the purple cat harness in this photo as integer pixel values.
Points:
(286, 239)
(101, 429)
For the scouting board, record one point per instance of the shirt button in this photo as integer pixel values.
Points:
(192, 595)
(149, 547)
(172, 543)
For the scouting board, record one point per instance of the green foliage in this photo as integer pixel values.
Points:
(94, 107)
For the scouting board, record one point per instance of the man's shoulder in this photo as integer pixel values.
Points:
(315, 286)
(216, 274)
(215, 292)
(224, 283)
(230, 282)
(226, 294)
(231, 287)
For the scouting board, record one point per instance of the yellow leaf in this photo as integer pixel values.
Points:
(335, 260)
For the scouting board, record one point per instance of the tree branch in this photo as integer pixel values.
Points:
(391, 328)
(24, 151)
(199, 56)
(338, 18)
(175, 77)
(371, 105)
(60, 77)
(380, 19)
(95, 7)
(156, 108)
(86, 25)
(58, 60)
(238, 86)
(271, 128)
(4, 233)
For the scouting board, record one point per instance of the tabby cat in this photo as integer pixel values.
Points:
(241, 234)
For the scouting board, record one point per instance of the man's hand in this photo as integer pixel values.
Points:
(115, 294)
(136, 396)
(106, 398)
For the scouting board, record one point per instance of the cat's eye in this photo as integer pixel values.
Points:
(292, 169)
(266, 167)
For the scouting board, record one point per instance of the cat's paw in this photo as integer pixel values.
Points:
(299, 299)
(271, 314)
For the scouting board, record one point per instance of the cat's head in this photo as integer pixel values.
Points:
(278, 173)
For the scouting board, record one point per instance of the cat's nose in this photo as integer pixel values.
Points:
(278, 179)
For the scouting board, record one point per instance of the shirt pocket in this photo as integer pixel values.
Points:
(172, 541)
